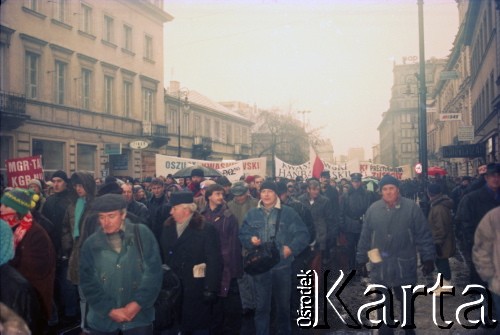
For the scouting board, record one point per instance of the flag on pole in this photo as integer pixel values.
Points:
(317, 163)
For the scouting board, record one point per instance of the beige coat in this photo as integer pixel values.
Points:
(486, 249)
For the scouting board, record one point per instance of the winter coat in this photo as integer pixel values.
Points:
(323, 216)
(441, 223)
(111, 280)
(227, 226)
(20, 296)
(199, 243)
(240, 210)
(54, 209)
(353, 207)
(292, 231)
(70, 246)
(486, 250)
(471, 210)
(35, 260)
(140, 210)
(159, 211)
(398, 233)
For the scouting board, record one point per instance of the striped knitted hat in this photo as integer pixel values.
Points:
(19, 199)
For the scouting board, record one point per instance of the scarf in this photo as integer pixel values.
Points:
(79, 208)
(21, 226)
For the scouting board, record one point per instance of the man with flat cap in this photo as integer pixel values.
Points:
(353, 206)
(393, 231)
(121, 282)
(190, 247)
(473, 208)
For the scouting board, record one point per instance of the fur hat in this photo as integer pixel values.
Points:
(269, 185)
(183, 197)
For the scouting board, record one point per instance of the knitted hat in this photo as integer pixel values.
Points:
(269, 185)
(21, 200)
(434, 189)
(109, 202)
(250, 179)
(35, 182)
(61, 174)
(6, 243)
(386, 180)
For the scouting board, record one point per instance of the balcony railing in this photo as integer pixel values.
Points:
(12, 103)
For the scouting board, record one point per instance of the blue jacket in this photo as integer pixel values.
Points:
(112, 280)
(398, 233)
(292, 230)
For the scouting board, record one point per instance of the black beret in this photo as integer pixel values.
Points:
(182, 197)
(109, 202)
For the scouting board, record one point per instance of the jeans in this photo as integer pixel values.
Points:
(247, 291)
(275, 283)
(443, 266)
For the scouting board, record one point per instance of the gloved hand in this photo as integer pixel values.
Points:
(361, 270)
(439, 251)
(209, 297)
(427, 267)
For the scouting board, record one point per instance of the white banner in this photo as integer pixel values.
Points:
(367, 169)
(232, 170)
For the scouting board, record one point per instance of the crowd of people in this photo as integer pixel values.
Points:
(86, 253)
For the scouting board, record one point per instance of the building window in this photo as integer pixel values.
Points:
(174, 120)
(108, 29)
(127, 99)
(147, 104)
(60, 82)
(86, 88)
(60, 10)
(86, 16)
(244, 135)
(52, 155)
(127, 36)
(197, 125)
(85, 158)
(148, 47)
(185, 123)
(108, 94)
(33, 5)
(217, 131)
(208, 128)
(32, 64)
(229, 134)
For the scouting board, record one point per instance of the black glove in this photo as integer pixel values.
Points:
(361, 270)
(428, 267)
(209, 297)
(439, 251)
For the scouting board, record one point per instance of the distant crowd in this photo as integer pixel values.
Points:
(86, 253)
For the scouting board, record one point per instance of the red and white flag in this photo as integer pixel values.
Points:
(317, 163)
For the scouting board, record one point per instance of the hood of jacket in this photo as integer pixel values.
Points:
(442, 200)
(87, 181)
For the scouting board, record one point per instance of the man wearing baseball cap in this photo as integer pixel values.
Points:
(259, 226)
(393, 231)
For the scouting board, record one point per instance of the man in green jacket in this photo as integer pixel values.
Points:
(120, 283)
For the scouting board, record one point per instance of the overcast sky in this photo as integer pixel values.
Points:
(333, 58)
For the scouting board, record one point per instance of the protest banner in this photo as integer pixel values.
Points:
(289, 171)
(253, 166)
(21, 170)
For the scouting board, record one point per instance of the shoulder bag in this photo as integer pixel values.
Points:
(263, 257)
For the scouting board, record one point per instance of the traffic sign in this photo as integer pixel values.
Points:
(418, 168)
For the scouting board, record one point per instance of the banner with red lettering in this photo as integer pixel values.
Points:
(233, 170)
(21, 170)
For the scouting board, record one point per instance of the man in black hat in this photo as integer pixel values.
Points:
(333, 195)
(197, 176)
(353, 207)
(459, 191)
(120, 281)
(473, 207)
(190, 246)
(393, 231)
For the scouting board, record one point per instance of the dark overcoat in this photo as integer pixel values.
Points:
(199, 243)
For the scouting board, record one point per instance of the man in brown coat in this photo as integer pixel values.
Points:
(441, 223)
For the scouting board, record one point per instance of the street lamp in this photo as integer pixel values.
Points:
(422, 117)
(182, 98)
